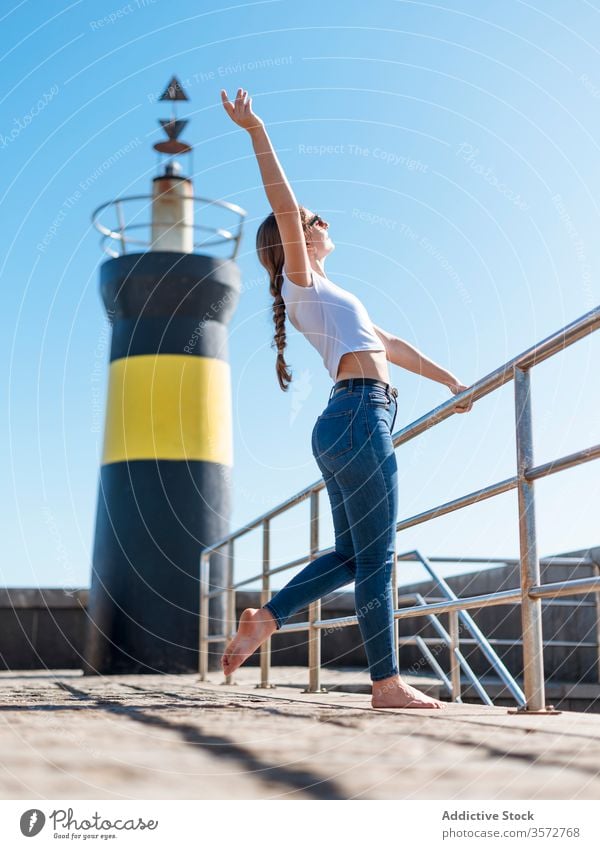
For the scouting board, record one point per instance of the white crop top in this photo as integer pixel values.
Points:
(333, 320)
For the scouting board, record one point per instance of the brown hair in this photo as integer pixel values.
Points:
(271, 256)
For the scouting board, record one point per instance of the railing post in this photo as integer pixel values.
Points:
(203, 625)
(230, 616)
(121, 226)
(454, 661)
(265, 596)
(597, 568)
(314, 609)
(531, 609)
(395, 602)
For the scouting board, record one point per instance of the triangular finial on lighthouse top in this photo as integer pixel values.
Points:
(174, 91)
(172, 128)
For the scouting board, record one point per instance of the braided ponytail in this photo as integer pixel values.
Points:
(284, 375)
(271, 255)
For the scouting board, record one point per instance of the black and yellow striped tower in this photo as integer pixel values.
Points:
(164, 489)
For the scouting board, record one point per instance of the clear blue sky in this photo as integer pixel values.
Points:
(454, 149)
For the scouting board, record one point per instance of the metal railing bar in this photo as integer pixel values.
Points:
(529, 569)
(230, 599)
(269, 514)
(502, 642)
(435, 641)
(407, 557)
(314, 609)
(597, 571)
(293, 626)
(227, 234)
(422, 642)
(433, 663)
(433, 620)
(476, 684)
(458, 503)
(203, 649)
(560, 340)
(556, 602)
(577, 585)
(550, 561)
(512, 596)
(224, 235)
(224, 204)
(583, 456)
(454, 649)
(290, 565)
(484, 645)
(121, 221)
(265, 596)
(447, 639)
(430, 609)
(493, 599)
(462, 661)
(440, 607)
(306, 558)
(503, 374)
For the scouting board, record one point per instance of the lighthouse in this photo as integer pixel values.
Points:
(167, 453)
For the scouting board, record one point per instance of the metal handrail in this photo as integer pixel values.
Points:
(483, 643)
(457, 659)
(458, 662)
(579, 584)
(530, 593)
(119, 236)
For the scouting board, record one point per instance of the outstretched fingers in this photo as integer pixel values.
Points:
(226, 103)
(239, 107)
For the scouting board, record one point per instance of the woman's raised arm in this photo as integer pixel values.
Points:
(278, 190)
(403, 354)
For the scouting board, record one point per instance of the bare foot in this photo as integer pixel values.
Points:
(395, 693)
(256, 625)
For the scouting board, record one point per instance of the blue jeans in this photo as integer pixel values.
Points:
(352, 444)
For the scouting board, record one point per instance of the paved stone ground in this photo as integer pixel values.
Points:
(66, 736)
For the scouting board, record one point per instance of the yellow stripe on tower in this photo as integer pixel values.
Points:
(168, 407)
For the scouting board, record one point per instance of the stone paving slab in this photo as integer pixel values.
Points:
(68, 736)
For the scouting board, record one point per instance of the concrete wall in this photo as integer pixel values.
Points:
(42, 628)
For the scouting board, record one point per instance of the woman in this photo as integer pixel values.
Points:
(352, 438)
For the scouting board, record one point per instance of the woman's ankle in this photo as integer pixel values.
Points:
(270, 616)
(386, 682)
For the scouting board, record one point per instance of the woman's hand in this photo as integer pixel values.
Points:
(241, 112)
(456, 388)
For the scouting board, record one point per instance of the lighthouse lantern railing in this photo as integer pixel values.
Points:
(119, 239)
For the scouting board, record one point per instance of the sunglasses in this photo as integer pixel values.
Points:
(316, 219)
